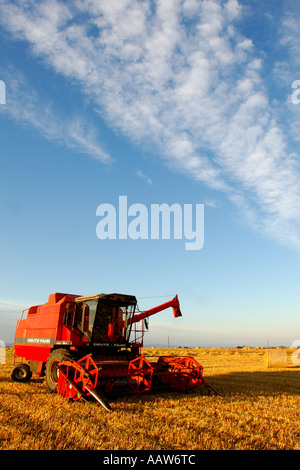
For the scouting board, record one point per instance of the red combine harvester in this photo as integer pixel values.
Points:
(90, 348)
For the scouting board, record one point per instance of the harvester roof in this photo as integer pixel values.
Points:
(121, 298)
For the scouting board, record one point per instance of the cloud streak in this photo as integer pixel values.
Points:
(26, 106)
(179, 77)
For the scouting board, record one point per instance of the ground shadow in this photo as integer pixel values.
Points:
(267, 383)
(264, 383)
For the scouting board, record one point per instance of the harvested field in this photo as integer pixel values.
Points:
(259, 410)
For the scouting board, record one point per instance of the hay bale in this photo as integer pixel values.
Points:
(275, 358)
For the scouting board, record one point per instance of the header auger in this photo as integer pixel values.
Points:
(90, 348)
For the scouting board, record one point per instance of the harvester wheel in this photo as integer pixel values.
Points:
(57, 356)
(21, 373)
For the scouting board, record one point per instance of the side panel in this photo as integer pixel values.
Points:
(33, 353)
(43, 328)
(35, 336)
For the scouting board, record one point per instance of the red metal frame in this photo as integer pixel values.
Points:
(74, 376)
(180, 373)
(139, 374)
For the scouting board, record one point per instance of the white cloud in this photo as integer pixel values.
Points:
(142, 175)
(26, 106)
(210, 203)
(178, 76)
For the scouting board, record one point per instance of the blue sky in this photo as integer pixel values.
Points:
(186, 102)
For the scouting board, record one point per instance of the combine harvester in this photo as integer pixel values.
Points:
(90, 348)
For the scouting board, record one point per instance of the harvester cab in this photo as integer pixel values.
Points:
(111, 320)
(90, 348)
(104, 320)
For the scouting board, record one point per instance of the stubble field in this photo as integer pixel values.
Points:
(259, 410)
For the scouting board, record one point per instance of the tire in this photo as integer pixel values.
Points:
(57, 356)
(21, 373)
